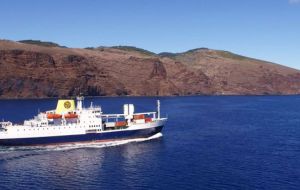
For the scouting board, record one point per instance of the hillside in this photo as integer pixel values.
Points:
(41, 43)
(230, 73)
(34, 70)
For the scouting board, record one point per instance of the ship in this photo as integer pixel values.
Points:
(70, 123)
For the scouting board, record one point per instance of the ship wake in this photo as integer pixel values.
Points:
(64, 147)
(102, 144)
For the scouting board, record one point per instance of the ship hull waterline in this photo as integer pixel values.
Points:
(84, 138)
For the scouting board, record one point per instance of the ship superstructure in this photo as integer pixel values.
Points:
(70, 124)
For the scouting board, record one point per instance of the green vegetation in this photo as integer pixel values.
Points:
(90, 48)
(196, 49)
(168, 54)
(41, 43)
(230, 55)
(132, 48)
(173, 55)
(224, 54)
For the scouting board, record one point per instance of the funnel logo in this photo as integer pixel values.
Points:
(67, 104)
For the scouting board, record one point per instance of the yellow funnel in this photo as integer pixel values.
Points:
(65, 106)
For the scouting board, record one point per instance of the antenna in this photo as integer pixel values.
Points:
(158, 109)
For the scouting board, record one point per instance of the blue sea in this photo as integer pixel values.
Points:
(209, 142)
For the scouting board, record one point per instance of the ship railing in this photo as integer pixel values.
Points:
(112, 118)
(93, 108)
(145, 113)
(4, 124)
(112, 115)
(123, 115)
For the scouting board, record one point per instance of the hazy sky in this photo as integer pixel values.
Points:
(265, 29)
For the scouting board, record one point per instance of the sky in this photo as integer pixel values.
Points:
(263, 29)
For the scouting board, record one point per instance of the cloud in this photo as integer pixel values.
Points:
(294, 1)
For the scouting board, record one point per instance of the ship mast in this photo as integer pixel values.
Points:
(158, 109)
(79, 102)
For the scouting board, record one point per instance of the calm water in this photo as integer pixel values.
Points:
(208, 143)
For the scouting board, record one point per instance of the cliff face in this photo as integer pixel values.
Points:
(234, 74)
(28, 70)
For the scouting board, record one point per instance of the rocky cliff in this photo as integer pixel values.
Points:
(33, 70)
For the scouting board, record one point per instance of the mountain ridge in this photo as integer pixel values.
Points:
(34, 70)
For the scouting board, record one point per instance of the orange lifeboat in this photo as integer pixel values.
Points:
(148, 119)
(142, 116)
(120, 124)
(71, 116)
(54, 116)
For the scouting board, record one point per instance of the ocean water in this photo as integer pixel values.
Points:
(209, 142)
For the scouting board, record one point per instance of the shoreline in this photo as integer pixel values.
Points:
(167, 96)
